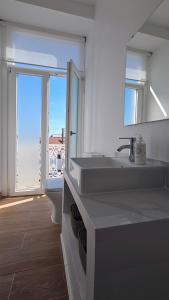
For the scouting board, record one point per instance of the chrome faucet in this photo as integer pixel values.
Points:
(130, 147)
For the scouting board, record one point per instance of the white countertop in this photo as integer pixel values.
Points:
(123, 207)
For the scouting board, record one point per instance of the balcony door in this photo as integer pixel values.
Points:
(75, 112)
(27, 131)
(30, 95)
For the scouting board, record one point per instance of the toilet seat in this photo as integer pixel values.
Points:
(54, 185)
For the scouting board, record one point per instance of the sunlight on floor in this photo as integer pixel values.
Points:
(16, 203)
(41, 196)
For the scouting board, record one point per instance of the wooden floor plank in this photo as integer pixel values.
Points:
(45, 284)
(31, 262)
(5, 286)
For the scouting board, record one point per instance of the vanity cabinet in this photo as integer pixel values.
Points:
(127, 245)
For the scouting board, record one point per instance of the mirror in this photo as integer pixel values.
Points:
(147, 71)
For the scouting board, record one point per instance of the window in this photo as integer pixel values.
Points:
(133, 103)
(136, 79)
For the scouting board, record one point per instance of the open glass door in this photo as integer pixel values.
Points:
(27, 133)
(57, 125)
(28, 154)
(30, 93)
(73, 112)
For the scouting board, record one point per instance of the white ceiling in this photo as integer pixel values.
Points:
(11, 10)
(151, 37)
(73, 7)
(161, 15)
(146, 42)
(86, 1)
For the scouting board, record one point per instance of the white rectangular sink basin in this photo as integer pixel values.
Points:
(99, 162)
(106, 174)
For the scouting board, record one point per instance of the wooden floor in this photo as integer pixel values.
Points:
(31, 262)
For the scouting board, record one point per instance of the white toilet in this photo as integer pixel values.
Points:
(53, 190)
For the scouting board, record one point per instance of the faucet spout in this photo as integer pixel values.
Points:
(119, 149)
(130, 147)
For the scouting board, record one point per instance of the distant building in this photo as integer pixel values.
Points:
(55, 140)
(56, 156)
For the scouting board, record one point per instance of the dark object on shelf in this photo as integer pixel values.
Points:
(75, 212)
(83, 246)
(83, 238)
(76, 219)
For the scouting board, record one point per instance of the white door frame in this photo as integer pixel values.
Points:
(80, 136)
(9, 120)
(12, 114)
(4, 126)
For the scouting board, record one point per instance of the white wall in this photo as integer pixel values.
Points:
(115, 22)
(158, 76)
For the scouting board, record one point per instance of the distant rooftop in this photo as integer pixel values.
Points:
(56, 140)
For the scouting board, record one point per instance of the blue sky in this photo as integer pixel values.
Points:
(129, 109)
(57, 115)
(29, 106)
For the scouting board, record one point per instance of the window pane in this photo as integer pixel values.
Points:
(130, 106)
(28, 152)
(57, 124)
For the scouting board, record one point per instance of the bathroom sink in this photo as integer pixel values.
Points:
(106, 174)
(99, 162)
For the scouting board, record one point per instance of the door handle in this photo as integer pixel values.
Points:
(72, 133)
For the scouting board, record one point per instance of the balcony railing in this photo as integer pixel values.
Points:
(56, 155)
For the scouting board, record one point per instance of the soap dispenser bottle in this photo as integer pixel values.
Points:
(140, 151)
